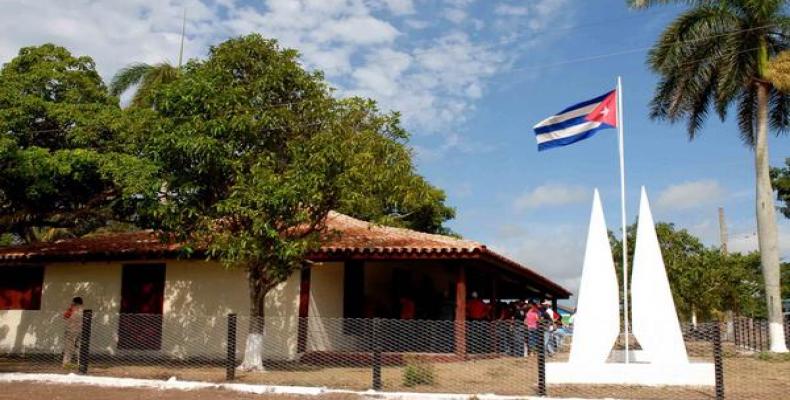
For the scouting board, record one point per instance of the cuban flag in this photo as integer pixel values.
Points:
(577, 122)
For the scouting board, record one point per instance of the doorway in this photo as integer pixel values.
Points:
(142, 299)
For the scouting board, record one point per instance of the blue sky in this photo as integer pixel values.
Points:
(470, 77)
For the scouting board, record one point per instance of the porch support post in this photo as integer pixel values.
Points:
(460, 311)
(554, 305)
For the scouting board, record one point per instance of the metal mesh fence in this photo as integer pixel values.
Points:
(501, 357)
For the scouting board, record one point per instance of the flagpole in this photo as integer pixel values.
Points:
(622, 212)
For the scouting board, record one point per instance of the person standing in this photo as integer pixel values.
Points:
(73, 321)
(532, 321)
(547, 319)
(476, 313)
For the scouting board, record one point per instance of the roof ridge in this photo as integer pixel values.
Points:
(411, 232)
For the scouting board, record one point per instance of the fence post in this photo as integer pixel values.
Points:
(230, 358)
(760, 335)
(541, 360)
(376, 384)
(85, 342)
(735, 331)
(718, 363)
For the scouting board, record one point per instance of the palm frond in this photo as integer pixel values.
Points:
(159, 75)
(779, 111)
(128, 77)
(642, 4)
(747, 113)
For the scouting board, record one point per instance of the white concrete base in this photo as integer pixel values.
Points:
(691, 374)
(634, 356)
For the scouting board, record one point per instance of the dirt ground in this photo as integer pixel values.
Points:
(35, 391)
(745, 377)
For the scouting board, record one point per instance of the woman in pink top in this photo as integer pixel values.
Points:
(532, 320)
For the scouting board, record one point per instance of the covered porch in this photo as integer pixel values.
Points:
(412, 292)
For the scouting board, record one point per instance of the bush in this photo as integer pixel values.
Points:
(417, 372)
(773, 357)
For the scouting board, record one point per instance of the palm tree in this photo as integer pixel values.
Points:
(714, 56)
(147, 78)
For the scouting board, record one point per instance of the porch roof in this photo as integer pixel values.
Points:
(345, 238)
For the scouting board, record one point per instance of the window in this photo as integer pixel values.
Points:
(20, 288)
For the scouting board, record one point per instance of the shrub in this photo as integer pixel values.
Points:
(417, 372)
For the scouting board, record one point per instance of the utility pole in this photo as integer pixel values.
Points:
(722, 231)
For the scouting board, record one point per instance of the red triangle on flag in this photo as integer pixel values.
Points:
(606, 112)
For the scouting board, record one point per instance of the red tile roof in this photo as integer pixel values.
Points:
(346, 237)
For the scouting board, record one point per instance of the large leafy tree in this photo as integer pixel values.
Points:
(714, 56)
(705, 282)
(255, 152)
(63, 166)
(781, 181)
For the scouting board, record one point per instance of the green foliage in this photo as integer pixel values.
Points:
(774, 357)
(254, 152)
(715, 55)
(780, 179)
(417, 372)
(380, 180)
(243, 153)
(63, 165)
(703, 280)
(147, 78)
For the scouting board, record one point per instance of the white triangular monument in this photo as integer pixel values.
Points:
(596, 323)
(663, 359)
(654, 319)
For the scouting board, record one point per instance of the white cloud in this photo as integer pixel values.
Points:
(551, 195)
(455, 15)
(363, 30)
(555, 251)
(400, 7)
(435, 82)
(690, 195)
(746, 241)
(510, 10)
(417, 24)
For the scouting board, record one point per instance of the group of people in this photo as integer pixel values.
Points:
(518, 325)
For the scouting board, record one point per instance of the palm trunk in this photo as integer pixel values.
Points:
(766, 225)
(253, 350)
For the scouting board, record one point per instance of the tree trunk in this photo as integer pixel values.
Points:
(694, 317)
(766, 225)
(253, 350)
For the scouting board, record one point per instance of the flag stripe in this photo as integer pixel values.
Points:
(586, 103)
(555, 119)
(571, 139)
(570, 131)
(562, 125)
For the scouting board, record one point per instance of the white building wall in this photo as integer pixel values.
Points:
(198, 296)
(325, 325)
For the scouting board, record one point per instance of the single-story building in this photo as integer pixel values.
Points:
(146, 298)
